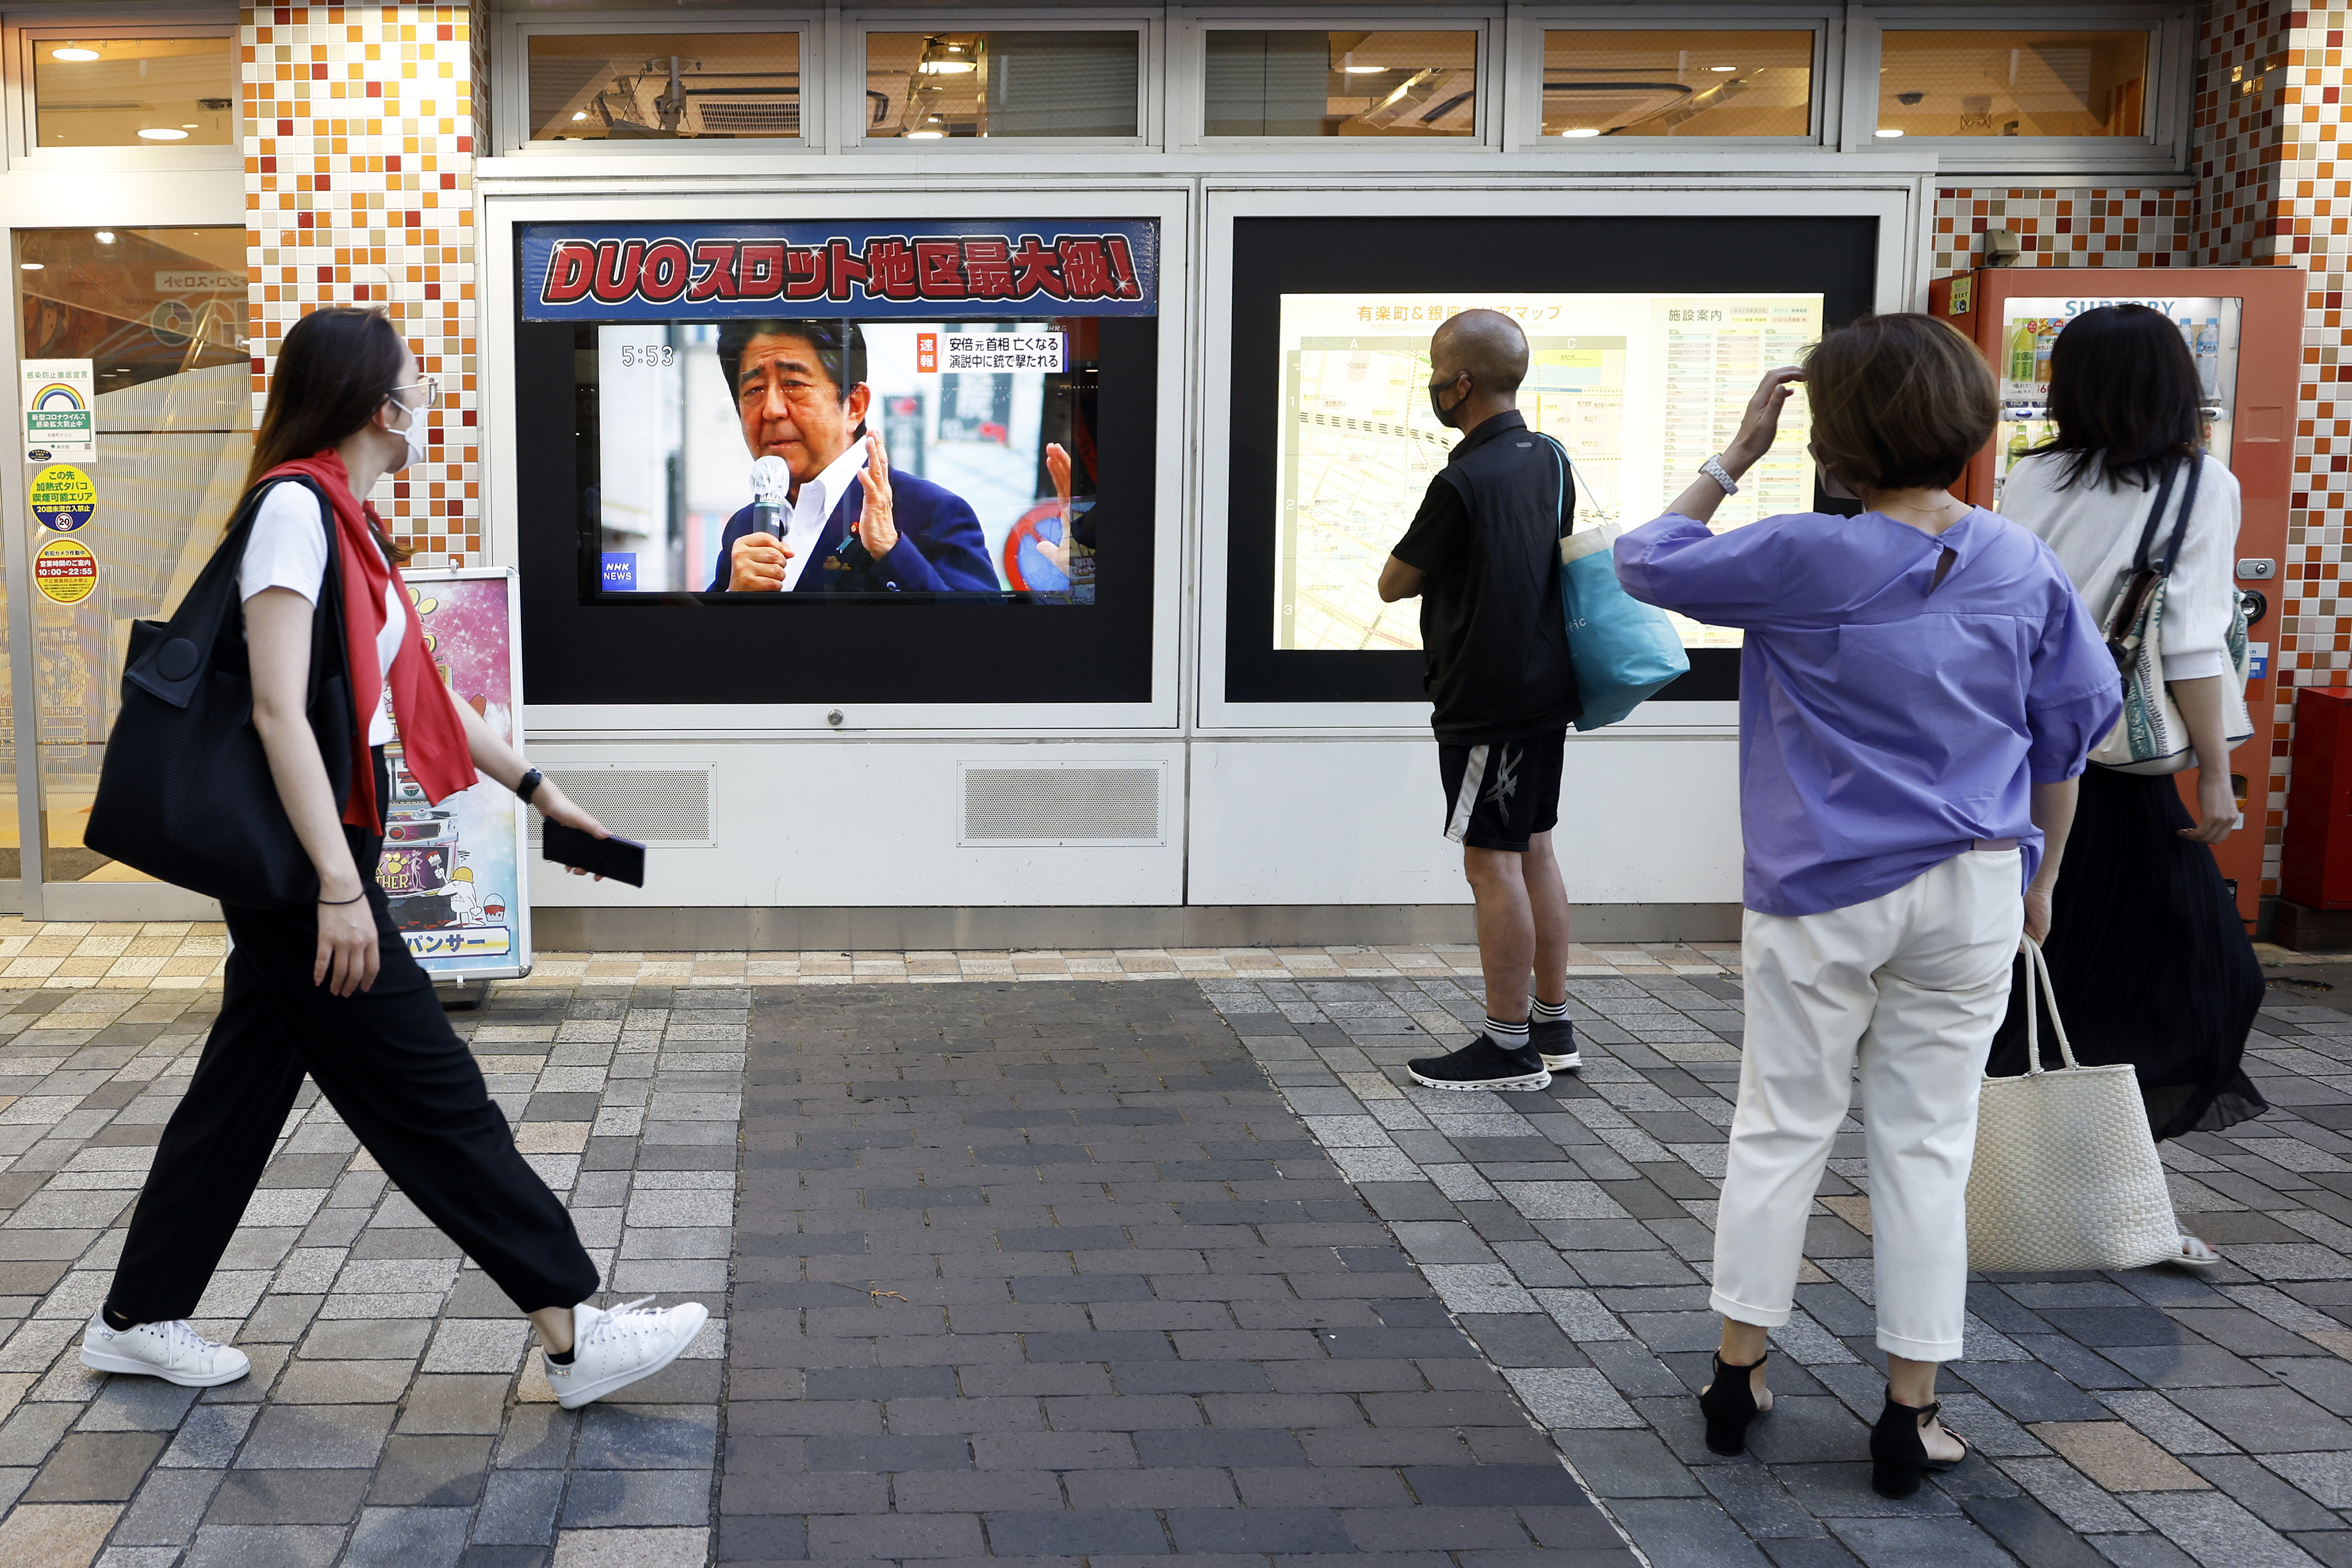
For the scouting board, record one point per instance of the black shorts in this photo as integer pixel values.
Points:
(1500, 794)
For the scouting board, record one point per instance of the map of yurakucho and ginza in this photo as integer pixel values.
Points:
(1640, 388)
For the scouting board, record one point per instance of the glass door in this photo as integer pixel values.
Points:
(134, 428)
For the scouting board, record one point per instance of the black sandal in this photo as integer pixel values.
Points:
(1898, 1455)
(1728, 1405)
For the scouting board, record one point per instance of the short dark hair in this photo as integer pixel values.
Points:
(2125, 395)
(840, 349)
(1899, 401)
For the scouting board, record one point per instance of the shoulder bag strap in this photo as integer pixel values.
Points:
(2181, 526)
(2155, 517)
(1564, 493)
(179, 658)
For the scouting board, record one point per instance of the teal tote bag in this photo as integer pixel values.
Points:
(1625, 652)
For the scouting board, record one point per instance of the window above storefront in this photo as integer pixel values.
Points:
(2025, 82)
(664, 86)
(1622, 82)
(1297, 82)
(935, 86)
(93, 91)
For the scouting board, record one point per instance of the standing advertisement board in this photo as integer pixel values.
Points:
(456, 871)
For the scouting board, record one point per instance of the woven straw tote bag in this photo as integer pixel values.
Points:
(2066, 1174)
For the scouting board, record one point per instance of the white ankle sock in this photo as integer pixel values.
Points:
(1550, 1012)
(1509, 1035)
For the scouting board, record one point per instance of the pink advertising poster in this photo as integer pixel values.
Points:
(453, 871)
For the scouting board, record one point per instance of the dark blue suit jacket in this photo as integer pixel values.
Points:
(940, 548)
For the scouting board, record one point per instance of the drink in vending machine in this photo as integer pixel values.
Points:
(2207, 347)
(2021, 352)
(2044, 342)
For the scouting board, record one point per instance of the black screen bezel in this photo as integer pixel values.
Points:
(1835, 257)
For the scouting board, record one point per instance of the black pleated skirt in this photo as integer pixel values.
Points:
(2151, 962)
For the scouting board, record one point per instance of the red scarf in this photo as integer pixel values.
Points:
(432, 738)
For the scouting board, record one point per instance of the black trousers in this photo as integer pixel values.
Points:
(388, 1061)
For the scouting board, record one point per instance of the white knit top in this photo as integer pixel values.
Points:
(2094, 528)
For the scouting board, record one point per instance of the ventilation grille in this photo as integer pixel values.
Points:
(775, 119)
(669, 806)
(1076, 806)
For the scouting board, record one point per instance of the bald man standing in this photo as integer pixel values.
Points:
(1483, 557)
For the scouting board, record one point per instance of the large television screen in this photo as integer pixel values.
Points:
(810, 460)
(1646, 334)
(1640, 388)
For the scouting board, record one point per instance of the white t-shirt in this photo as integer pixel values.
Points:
(814, 507)
(287, 548)
(2093, 530)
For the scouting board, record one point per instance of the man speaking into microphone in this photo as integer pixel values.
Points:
(851, 522)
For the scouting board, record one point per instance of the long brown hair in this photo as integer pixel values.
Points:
(335, 368)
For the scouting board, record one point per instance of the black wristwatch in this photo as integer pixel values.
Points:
(527, 785)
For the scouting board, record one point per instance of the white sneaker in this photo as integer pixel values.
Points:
(611, 1350)
(172, 1352)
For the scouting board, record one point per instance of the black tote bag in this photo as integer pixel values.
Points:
(185, 794)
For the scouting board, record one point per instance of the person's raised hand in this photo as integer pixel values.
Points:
(756, 564)
(877, 524)
(1057, 468)
(1760, 426)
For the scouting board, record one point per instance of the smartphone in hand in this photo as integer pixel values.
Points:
(622, 860)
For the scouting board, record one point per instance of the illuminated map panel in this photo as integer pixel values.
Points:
(1639, 388)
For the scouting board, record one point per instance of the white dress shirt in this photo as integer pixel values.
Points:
(818, 498)
(2093, 530)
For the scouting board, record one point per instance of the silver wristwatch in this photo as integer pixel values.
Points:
(1713, 468)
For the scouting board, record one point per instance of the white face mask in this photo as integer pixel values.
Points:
(413, 435)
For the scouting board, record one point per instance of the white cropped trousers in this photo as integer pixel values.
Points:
(1912, 985)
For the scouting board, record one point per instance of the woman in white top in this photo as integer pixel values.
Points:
(2146, 946)
(330, 991)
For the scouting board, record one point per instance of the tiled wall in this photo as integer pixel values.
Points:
(359, 188)
(2064, 226)
(2267, 78)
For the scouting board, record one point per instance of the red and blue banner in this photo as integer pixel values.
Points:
(957, 268)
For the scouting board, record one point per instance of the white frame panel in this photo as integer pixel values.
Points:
(2162, 148)
(1524, 61)
(510, 82)
(26, 30)
(1901, 206)
(682, 721)
(1189, 74)
(1150, 53)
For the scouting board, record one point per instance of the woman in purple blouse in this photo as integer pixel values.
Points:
(1919, 689)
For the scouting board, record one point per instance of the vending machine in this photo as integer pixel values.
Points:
(2244, 326)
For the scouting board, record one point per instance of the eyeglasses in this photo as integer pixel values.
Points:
(430, 386)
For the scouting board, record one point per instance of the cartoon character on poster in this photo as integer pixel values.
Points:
(448, 867)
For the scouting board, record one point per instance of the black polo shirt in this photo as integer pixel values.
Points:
(1492, 628)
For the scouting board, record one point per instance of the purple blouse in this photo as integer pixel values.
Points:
(1885, 720)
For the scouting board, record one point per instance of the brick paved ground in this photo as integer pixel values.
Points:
(1048, 1271)
(390, 1416)
(1228, 1348)
(2147, 1420)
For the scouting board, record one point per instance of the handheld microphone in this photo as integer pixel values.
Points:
(771, 484)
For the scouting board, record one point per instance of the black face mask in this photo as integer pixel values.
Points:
(1446, 416)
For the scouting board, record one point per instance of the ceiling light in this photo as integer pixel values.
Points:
(1889, 131)
(191, 128)
(1363, 70)
(104, 236)
(924, 135)
(582, 114)
(28, 266)
(948, 68)
(73, 54)
(159, 134)
(1722, 69)
(1582, 130)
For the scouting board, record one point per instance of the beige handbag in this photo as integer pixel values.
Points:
(2066, 1174)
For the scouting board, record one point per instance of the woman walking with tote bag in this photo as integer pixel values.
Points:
(2145, 944)
(332, 990)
